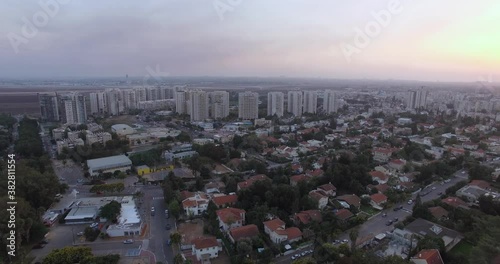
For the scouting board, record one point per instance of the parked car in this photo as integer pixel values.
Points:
(93, 225)
(384, 215)
(395, 219)
(79, 234)
(388, 223)
(128, 241)
(410, 201)
(169, 242)
(345, 241)
(167, 227)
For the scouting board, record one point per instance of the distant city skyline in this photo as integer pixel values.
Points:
(423, 40)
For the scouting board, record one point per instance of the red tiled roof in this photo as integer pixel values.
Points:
(351, 199)
(227, 215)
(378, 198)
(293, 233)
(189, 203)
(241, 232)
(438, 212)
(397, 162)
(305, 217)
(205, 242)
(252, 180)
(225, 200)
(327, 187)
(480, 183)
(316, 173)
(186, 194)
(316, 195)
(454, 202)
(378, 174)
(274, 224)
(344, 214)
(381, 187)
(431, 256)
(299, 178)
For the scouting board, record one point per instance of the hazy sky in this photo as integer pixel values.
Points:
(454, 40)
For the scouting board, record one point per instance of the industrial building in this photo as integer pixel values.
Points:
(109, 164)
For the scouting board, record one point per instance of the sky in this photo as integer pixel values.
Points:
(447, 40)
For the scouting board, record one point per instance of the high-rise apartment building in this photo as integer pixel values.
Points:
(129, 99)
(151, 93)
(329, 102)
(310, 102)
(417, 99)
(294, 104)
(248, 105)
(198, 103)
(219, 102)
(140, 94)
(49, 107)
(180, 103)
(114, 101)
(275, 104)
(74, 109)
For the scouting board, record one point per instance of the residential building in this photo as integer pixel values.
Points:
(225, 200)
(417, 99)
(251, 181)
(275, 104)
(248, 105)
(198, 106)
(180, 102)
(344, 214)
(294, 103)
(310, 104)
(49, 107)
(307, 217)
(329, 102)
(319, 197)
(196, 204)
(243, 232)
(378, 200)
(278, 233)
(205, 248)
(421, 228)
(379, 177)
(230, 218)
(382, 154)
(74, 108)
(114, 101)
(350, 199)
(439, 212)
(219, 102)
(427, 256)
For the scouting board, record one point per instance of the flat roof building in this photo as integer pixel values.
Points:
(109, 164)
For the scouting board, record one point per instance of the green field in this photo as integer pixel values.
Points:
(369, 210)
(462, 247)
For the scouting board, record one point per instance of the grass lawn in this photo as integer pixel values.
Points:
(369, 210)
(462, 247)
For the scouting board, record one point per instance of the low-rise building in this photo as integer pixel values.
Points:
(427, 256)
(378, 200)
(278, 233)
(196, 204)
(205, 248)
(230, 218)
(109, 164)
(243, 232)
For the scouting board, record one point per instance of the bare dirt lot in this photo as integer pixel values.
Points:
(191, 230)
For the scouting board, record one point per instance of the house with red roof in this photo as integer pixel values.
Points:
(382, 154)
(295, 179)
(307, 217)
(397, 164)
(481, 184)
(328, 189)
(344, 214)
(251, 181)
(455, 202)
(278, 233)
(379, 177)
(205, 248)
(196, 204)
(319, 197)
(315, 173)
(439, 212)
(350, 199)
(225, 200)
(238, 233)
(378, 200)
(428, 256)
(230, 218)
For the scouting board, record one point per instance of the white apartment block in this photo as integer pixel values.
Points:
(248, 103)
(74, 108)
(329, 102)
(140, 94)
(417, 99)
(180, 103)
(114, 100)
(129, 99)
(198, 104)
(219, 101)
(310, 102)
(275, 104)
(294, 104)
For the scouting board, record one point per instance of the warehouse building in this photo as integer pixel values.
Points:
(109, 164)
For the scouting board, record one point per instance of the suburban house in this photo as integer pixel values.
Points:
(427, 256)
(278, 233)
(378, 200)
(230, 218)
(294, 180)
(382, 154)
(319, 197)
(238, 233)
(344, 214)
(350, 199)
(196, 204)
(471, 192)
(251, 181)
(205, 248)
(379, 177)
(455, 202)
(225, 200)
(306, 217)
(397, 164)
(421, 228)
(328, 189)
(439, 212)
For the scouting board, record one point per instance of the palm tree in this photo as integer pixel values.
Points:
(175, 238)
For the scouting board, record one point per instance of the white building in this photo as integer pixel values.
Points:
(230, 218)
(219, 101)
(198, 104)
(417, 99)
(74, 108)
(196, 204)
(248, 105)
(129, 98)
(329, 102)
(205, 248)
(114, 101)
(140, 94)
(180, 103)
(122, 129)
(275, 104)
(109, 164)
(294, 104)
(310, 102)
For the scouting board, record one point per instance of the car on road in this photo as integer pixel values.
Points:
(168, 227)
(434, 188)
(395, 219)
(336, 242)
(128, 241)
(447, 181)
(93, 225)
(397, 208)
(293, 257)
(410, 201)
(388, 223)
(345, 241)
(79, 180)
(79, 234)
(384, 215)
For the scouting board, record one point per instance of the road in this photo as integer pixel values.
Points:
(377, 224)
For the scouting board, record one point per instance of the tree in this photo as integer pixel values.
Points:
(110, 211)
(68, 255)
(244, 247)
(175, 238)
(174, 208)
(420, 210)
(353, 236)
(480, 172)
